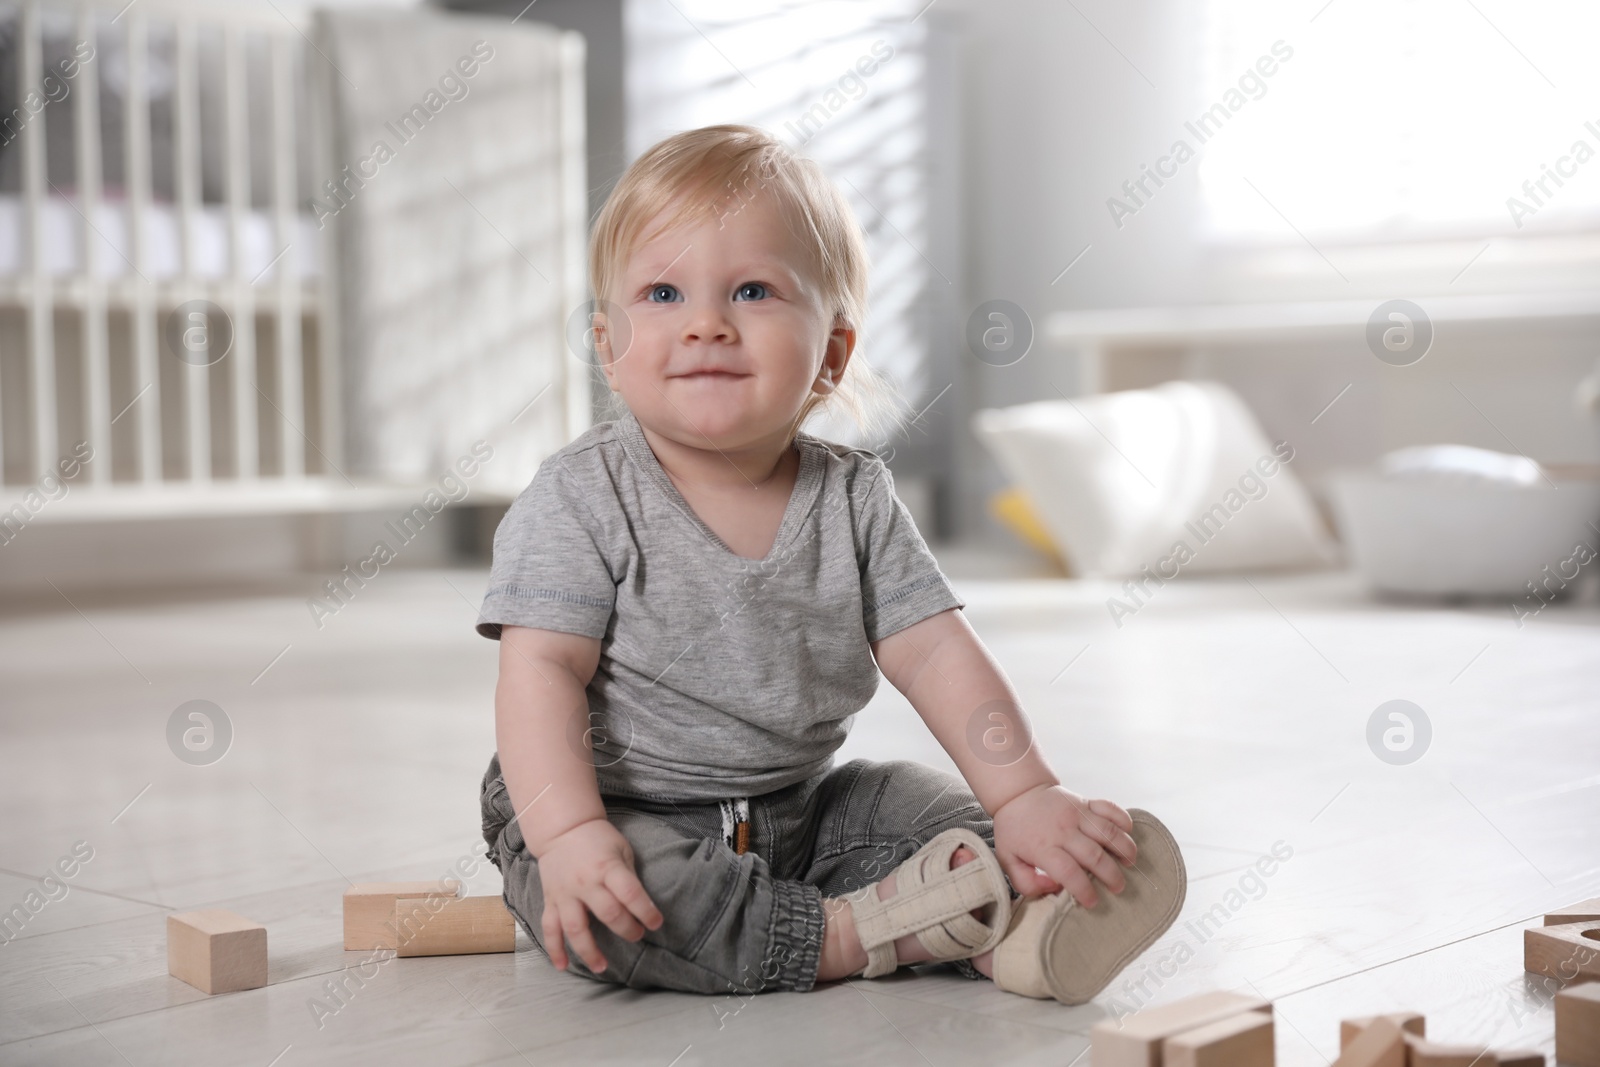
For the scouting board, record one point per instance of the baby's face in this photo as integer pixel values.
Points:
(737, 298)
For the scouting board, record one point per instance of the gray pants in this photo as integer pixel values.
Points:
(750, 922)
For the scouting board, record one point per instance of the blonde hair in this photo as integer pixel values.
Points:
(711, 170)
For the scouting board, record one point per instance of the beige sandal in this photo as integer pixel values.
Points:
(932, 900)
(1054, 948)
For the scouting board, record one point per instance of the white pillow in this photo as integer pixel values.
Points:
(1175, 478)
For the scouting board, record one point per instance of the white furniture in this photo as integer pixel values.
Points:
(1103, 340)
(91, 276)
(458, 264)
(96, 276)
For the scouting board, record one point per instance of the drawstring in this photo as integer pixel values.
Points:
(736, 823)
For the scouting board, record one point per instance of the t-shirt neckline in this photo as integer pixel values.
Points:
(807, 483)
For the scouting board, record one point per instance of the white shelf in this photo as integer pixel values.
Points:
(1239, 322)
(1098, 337)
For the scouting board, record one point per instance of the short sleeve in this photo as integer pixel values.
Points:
(549, 571)
(901, 583)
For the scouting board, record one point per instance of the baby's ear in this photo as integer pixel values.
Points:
(843, 328)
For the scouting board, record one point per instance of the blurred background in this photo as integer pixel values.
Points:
(1062, 202)
(1250, 377)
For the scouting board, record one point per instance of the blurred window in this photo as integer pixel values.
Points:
(843, 82)
(1400, 120)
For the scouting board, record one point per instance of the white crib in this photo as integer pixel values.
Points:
(114, 298)
(89, 283)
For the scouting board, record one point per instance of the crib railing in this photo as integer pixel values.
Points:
(123, 356)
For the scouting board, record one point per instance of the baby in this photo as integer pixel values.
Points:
(694, 599)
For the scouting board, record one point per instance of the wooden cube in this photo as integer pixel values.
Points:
(369, 909)
(1409, 1021)
(1245, 1040)
(1136, 1041)
(1520, 1059)
(1585, 911)
(216, 951)
(1381, 1043)
(1564, 952)
(1421, 1052)
(450, 926)
(1578, 1025)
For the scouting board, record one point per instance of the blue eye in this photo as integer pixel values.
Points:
(657, 290)
(744, 290)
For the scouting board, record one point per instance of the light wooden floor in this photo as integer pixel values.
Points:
(1236, 712)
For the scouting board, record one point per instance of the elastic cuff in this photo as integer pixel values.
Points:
(798, 927)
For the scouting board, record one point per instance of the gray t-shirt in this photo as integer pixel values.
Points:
(719, 676)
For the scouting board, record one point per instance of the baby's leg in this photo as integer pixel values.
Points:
(869, 818)
(842, 954)
(729, 926)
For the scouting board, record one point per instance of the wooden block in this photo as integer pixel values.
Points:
(1564, 952)
(1578, 1025)
(449, 926)
(1136, 1040)
(1380, 1044)
(1584, 911)
(217, 951)
(369, 909)
(1245, 1040)
(1520, 1059)
(1409, 1021)
(1420, 1052)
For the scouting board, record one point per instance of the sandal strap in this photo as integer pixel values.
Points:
(933, 902)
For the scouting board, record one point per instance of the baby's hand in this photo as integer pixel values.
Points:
(590, 869)
(1055, 829)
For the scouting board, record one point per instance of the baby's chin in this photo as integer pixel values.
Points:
(713, 423)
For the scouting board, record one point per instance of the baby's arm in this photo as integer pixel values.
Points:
(585, 864)
(948, 675)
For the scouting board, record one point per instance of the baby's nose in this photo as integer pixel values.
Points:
(705, 322)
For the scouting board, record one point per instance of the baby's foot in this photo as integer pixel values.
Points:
(908, 949)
